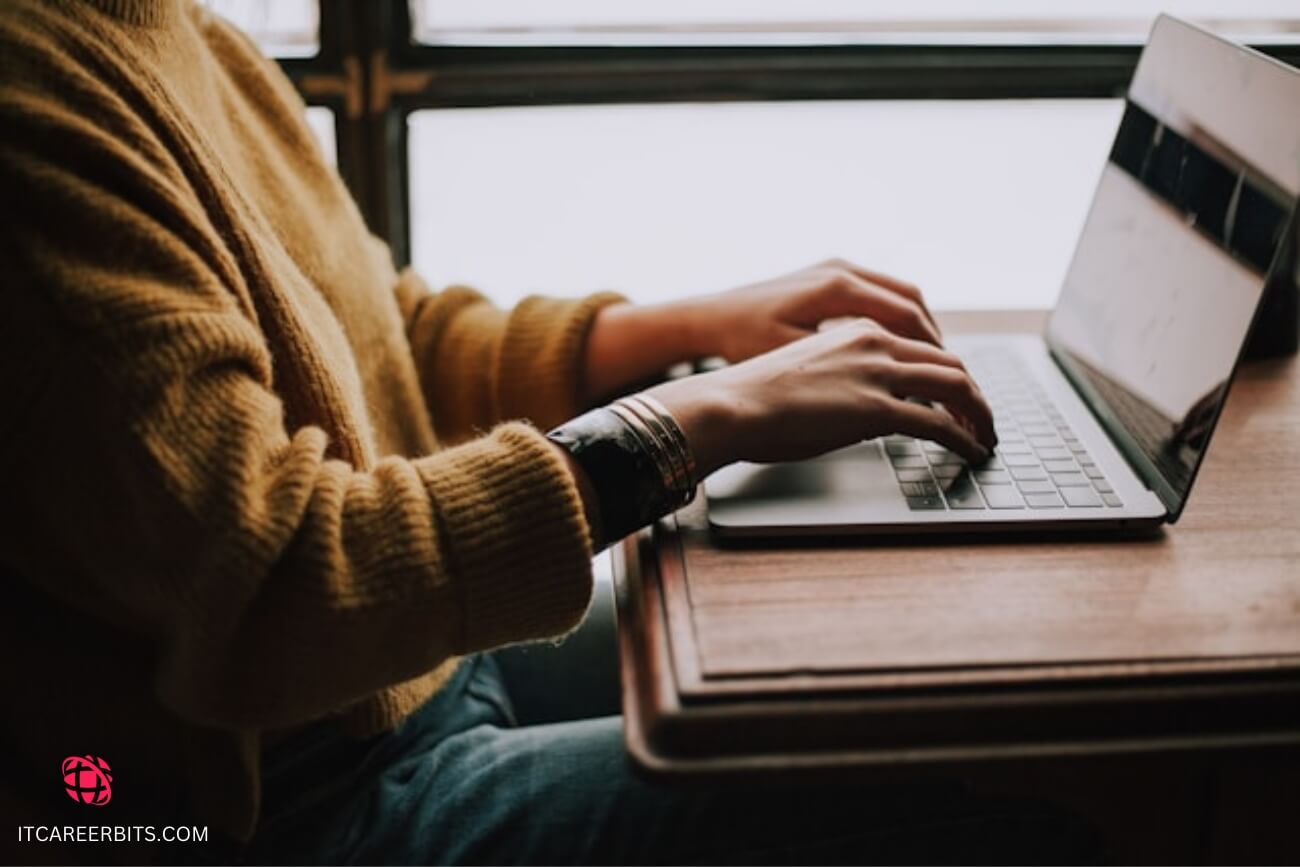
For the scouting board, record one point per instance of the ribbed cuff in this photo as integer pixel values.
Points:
(541, 375)
(516, 537)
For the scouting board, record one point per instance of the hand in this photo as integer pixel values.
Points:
(828, 390)
(630, 343)
(751, 320)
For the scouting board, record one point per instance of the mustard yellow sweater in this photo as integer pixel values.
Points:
(226, 507)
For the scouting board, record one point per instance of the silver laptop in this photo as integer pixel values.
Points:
(1103, 420)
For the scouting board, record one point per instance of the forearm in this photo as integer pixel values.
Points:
(479, 365)
(256, 561)
(630, 344)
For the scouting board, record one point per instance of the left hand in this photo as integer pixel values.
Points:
(753, 319)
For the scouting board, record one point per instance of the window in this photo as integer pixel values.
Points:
(782, 21)
(979, 202)
(321, 121)
(687, 145)
(282, 28)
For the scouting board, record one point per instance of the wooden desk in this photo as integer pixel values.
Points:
(829, 658)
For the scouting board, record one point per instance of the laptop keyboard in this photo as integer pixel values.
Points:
(1038, 464)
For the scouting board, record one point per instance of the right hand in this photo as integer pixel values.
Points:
(826, 391)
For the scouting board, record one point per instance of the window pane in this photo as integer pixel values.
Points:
(979, 202)
(282, 28)
(321, 121)
(781, 21)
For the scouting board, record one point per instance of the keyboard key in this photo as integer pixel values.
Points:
(1081, 497)
(944, 457)
(962, 494)
(1103, 486)
(908, 462)
(1014, 448)
(1076, 447)
(1112, 500)
(913, 475)
(1041, 442)
(1038, 430)
(1024, 474)
(947, 471)
(1092, 471)
(992, 477)
(1044, 501)
(1060, 466)
(935, 448)
(1020, 460)
(903, 448)
(925, 504)
(920, 489)
(1055, 453)
(1070, 480)
(1002, 497)
(1036, 486)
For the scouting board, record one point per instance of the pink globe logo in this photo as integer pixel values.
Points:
(87, 780)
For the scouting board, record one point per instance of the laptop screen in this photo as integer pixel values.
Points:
(1194, 215)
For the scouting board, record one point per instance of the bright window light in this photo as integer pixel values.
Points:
(321, 121)
(785, 21)
(281, 28)
(979, 202)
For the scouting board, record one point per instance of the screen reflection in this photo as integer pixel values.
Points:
(1193, 216)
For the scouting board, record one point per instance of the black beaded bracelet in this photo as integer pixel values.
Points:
(638, 472)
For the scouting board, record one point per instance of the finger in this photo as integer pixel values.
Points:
(893, 284)
(937, 426)
(949, 386)
(899, 314)
(902, 349)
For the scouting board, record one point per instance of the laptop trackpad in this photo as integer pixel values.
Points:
(852, 484)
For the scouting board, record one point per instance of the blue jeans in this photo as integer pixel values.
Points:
(504, 766)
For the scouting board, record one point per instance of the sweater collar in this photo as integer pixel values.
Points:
(143, 13)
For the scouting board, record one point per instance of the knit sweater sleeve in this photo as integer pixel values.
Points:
(479, 364)
(164, 491)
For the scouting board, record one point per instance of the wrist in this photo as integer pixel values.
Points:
(709, 420)
(683, 330)
(631, 463)
(695, 325)
(629, 343)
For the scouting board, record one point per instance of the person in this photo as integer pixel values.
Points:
(270, 503)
